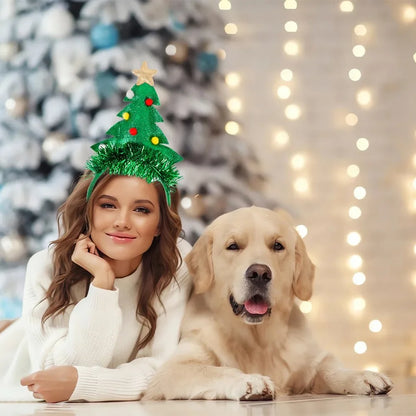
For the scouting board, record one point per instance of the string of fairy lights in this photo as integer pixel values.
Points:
(355, 174)
(363, 98)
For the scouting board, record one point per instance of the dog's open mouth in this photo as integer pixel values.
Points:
(253, 309)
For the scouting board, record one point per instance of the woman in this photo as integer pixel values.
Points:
(124, 261)
(102, 306)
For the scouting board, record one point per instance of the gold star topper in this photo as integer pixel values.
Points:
(144, 74)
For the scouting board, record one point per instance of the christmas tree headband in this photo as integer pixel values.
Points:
(136, 145)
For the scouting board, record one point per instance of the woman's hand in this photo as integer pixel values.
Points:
(86, 255)
(56, 384)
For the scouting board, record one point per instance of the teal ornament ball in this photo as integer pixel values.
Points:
(207, 62)
(105, 83)
(104, 36)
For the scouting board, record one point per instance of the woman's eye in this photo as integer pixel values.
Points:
(233, 246)
(143, 210)
(278, 246)
(107, 205)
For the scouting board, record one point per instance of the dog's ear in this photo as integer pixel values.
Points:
(304, 271)
(199, 262)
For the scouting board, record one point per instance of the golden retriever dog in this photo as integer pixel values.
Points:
(243, 336)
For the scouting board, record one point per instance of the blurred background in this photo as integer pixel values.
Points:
(308, 106)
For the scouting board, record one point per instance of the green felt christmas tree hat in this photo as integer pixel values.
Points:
(136, 146)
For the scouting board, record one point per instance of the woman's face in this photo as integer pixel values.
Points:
(125, 219)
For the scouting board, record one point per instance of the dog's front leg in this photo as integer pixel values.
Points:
(331, 377)
(199, 381)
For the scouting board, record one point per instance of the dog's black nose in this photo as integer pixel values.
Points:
(259, 274)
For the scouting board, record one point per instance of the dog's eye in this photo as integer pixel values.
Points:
(233, 246)
(278, 246)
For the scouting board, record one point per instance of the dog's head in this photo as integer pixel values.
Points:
(251, 261)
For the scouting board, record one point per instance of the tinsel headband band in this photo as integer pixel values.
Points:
(136, 146)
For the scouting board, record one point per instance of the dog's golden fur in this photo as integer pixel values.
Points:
(243, 336)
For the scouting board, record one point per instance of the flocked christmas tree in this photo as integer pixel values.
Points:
(65, 66)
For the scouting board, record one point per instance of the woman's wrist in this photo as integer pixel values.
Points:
(104, 279)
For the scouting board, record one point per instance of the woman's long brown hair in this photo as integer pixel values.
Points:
(159, 263)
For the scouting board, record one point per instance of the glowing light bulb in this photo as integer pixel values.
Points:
(353, 238)
(414, 57)
(170, 50)
(357, 305)
(284, 92)
(224, 5)
(355, 262)
(353, 171)
(298, 161)
(360, 30)
(413, 279)
(281, 138)
(286, 75)
(231, 29)
(301, 185)
(186, 202)
(414, 249)
(408, 14)
(354, 212)
(346, 6)
(291, 26)
(290, 4)
(360, 192)
(232, 128)
(351, 119)
(358, 51)
(291, 48)
(358, 278)
(364, 98)
(305, 307)
(10, 104)
(293, 112)
(302, 230)
(233, 79)
(234, 105)
(362, 144)
(375, 325)
(354, 74)
(360, 347)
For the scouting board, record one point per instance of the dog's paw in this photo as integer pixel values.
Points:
(254, 387)
(368, 382)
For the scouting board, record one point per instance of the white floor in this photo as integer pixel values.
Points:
(400, 402)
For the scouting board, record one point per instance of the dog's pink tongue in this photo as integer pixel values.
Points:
(255, 308)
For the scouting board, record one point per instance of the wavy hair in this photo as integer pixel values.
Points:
(159, 263)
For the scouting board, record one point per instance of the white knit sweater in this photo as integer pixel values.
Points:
(96, 335)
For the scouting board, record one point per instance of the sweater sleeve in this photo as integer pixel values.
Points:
(129, 381)
(85, 334)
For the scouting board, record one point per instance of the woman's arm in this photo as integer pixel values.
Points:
(85, 334)
(128, 381)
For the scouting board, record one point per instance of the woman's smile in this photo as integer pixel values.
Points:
(121, 238)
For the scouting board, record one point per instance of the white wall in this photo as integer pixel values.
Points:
(322, 89)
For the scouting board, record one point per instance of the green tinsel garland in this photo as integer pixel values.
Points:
(134, 159)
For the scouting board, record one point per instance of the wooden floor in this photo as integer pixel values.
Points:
(400, 402)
